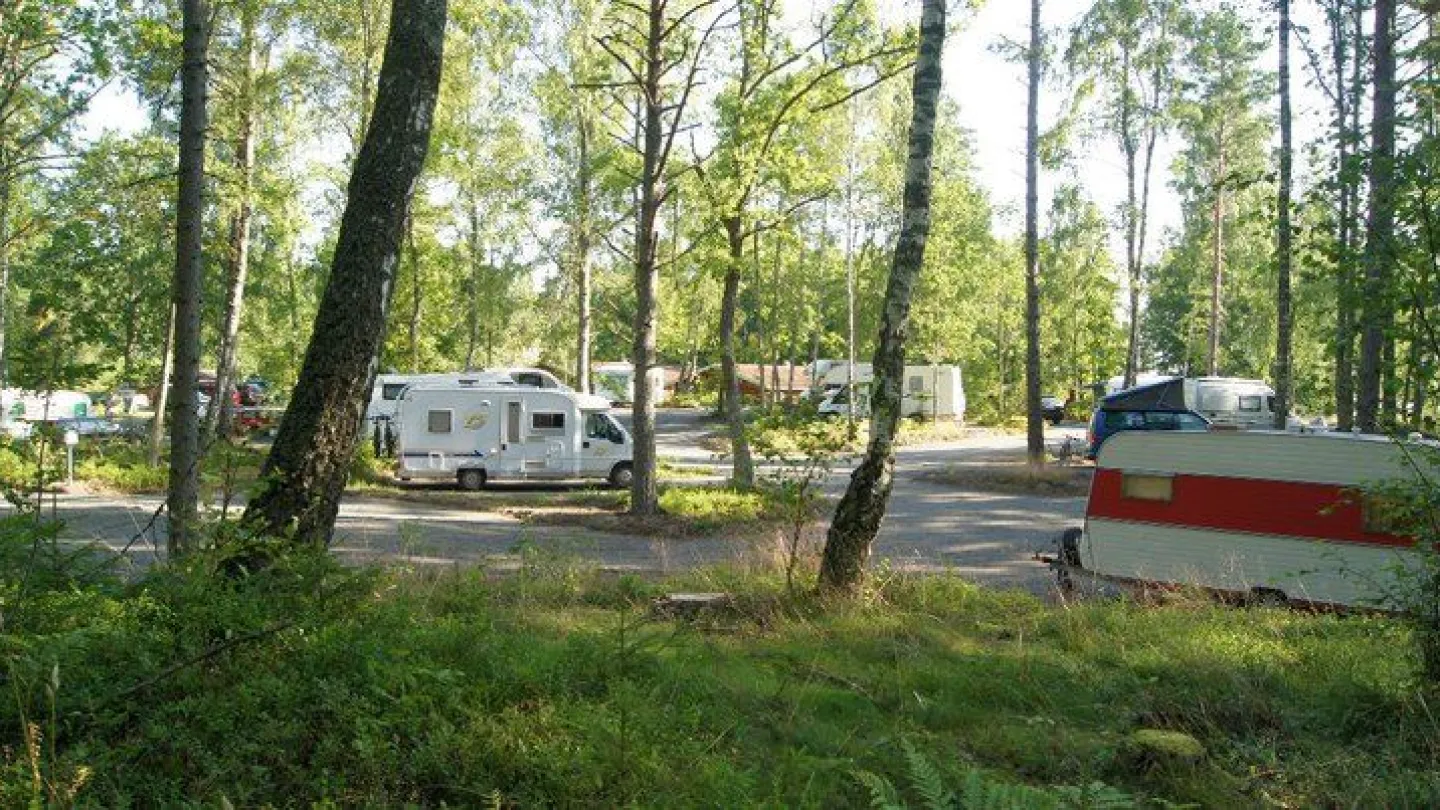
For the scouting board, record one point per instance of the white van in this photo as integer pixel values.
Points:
(1235, 401)
(480, 433)
(934, 392)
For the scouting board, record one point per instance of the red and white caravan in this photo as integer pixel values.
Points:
(1248, 512)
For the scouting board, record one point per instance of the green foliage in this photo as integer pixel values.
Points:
(305, 683)
(1410, 506)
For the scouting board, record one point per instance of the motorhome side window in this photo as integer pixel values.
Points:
(1250, 403)
(1143, 487)
(391, 391)
(530, 378)
(917, 384)
(439, 421)
(547, 421)
(1217, 401)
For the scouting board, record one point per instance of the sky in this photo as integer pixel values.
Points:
(990, 91)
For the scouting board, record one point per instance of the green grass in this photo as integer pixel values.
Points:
(308, 684)
(1013, 479)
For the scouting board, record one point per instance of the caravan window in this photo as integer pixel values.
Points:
(917, 384)
(439, 421)
(529, 378)
(547, 421)
(1147, 487)
(1250, 403)
(391, 391)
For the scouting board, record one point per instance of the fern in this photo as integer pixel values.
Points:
(925, 778)
(980, 791)
(882, 793)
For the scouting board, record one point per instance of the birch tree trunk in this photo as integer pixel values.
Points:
(162, 394)
(861, 510)
(644, 492)
(305, 473)
(582, 250)
(1034, 424)
(1380, 227)
(189, 235)
(1283, 381)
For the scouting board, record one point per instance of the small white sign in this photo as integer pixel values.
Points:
(72, 438)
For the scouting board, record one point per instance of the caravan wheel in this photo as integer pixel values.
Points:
(472, 479)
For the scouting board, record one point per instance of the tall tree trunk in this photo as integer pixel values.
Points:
(861, 510)
(582, 250)
(1034, 424)
(472, 305)
(1379, 230)
(644, 494)
(1132, 260)
(1344, 231)
(1217, 260)
(304, 475)
(189, 237)
(1283, 382)
(743, 467)
(5, 203)
(221, 409)
(162, 393)
(416, 292)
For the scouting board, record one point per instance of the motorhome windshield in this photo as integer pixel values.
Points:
(603, 426)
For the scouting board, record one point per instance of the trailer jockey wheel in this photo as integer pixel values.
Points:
(472, 479)
(1068, 557)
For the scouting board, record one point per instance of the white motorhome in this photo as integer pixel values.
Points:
(934, 391)
(616, 382)
(1278, 514)
(480, 433)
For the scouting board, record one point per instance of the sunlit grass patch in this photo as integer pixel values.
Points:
(1013, 479)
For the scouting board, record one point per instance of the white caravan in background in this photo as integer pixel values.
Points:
(616, 382)
(932, 392)
(481, 433)
(388, 387)
(43, 406)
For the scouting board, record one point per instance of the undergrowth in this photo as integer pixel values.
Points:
(310, 684)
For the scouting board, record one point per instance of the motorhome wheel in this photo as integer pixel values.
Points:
(472, 479)
(622, 475)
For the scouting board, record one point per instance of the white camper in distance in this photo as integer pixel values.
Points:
(474, 434)
(933, 392)
(388, 387)
(616, 382)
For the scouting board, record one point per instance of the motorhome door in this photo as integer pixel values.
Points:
(512, 440)
(532, 445)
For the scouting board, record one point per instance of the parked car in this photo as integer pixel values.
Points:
(1052, 409)
(1126, 411)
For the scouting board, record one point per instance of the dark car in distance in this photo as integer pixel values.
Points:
(1052, 409)
(1159, 406)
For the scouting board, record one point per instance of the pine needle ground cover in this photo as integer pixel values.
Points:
(306, 683)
